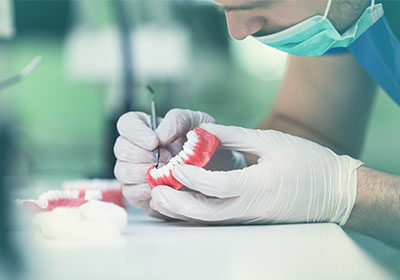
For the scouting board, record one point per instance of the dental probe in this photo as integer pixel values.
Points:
(154, 122)
(22, 75)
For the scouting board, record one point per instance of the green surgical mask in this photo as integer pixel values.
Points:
(316, 35)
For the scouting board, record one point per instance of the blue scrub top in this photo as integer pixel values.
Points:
(378, 51)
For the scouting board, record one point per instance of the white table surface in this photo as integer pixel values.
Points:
(150, 249)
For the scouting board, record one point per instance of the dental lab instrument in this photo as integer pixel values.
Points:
(22, 75)
(154, 122)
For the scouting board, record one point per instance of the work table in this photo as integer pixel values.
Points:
(151, 249)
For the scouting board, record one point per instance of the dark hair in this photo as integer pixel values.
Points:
(344, 13)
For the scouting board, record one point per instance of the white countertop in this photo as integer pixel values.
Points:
(150, 249)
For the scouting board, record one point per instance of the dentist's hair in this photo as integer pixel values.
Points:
(344, 13)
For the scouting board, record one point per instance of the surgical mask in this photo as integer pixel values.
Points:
(316, 35)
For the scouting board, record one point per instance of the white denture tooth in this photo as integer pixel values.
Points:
(66, 194)
(61, 195)
(73, 194)
(158, 173)
(191, 134)
(179, 159)
(188, 151)
(174, 161)
(195, 136)
(42, 203)
(183, 155)
(185, 146)
(46, 196)
(170, 165)
(189, 146)
(194, 141)
(56, 195)
(166, 172)
(192, 145)
(153, 173)
(91, 195)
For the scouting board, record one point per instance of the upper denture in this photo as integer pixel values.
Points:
(197, 150)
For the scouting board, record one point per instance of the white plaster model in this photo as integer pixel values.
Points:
(90, 221)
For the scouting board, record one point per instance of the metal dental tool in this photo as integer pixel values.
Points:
(154, 122)
(22, 75)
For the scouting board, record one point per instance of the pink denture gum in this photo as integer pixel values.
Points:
(111, 190)
(197, 150)
(53, 199)
(75, 193)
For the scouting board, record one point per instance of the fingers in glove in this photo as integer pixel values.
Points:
(157, 208)
(124, 150)
(131, 173)
(175, 217)
(177, 122)
(238, 138)
(137, 192)
(144, 205)
(191, 206)
(175, 147)
(135, 126)
(221, 184)
(155, 214)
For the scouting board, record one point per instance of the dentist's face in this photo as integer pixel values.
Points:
(262, 17)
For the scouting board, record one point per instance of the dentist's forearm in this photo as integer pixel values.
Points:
(327, 100)
(377, 208)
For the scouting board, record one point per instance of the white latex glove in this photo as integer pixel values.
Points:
(295, 181)
(134, 150)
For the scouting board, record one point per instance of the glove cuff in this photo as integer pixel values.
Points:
(347, 188)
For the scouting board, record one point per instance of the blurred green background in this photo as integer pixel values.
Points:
(62, 116)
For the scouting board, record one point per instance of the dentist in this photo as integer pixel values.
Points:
(301, 164)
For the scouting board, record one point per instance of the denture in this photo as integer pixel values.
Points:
(58, 198)
(111, 190)
(197, 150)
(76, 193)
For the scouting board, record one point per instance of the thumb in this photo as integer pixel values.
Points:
(178, 122)
(237, 138)
(221, 184)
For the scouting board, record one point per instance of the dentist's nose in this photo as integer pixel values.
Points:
(240, 26)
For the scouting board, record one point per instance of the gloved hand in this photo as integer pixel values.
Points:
(134, 150)
(295, 180)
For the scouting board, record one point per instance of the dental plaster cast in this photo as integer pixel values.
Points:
(72, 214)
(197, 150)
(92, 220)
(111, 190)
